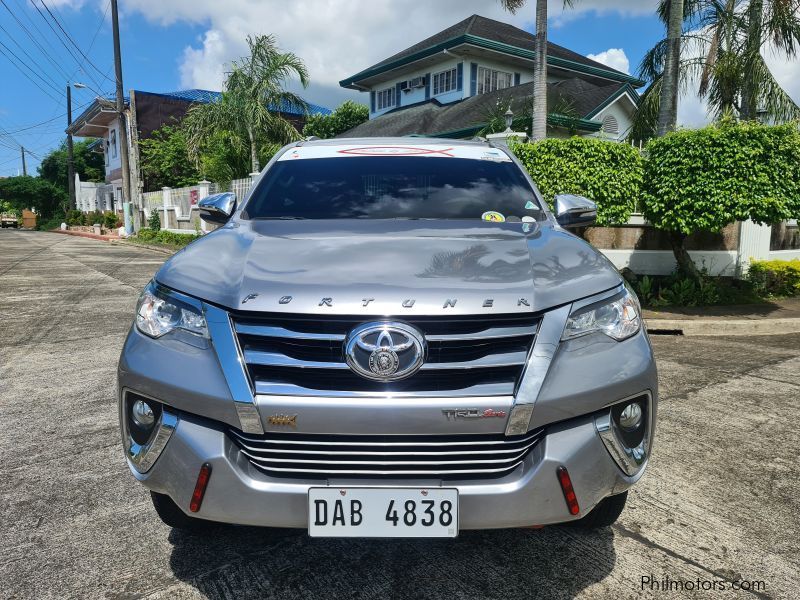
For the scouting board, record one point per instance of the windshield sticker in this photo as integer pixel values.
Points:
(472, 151)
(493, 217)
(526, 227)
(395, 151)
(530, 205)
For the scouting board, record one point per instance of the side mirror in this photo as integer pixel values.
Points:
(217, 208)
(575, 211)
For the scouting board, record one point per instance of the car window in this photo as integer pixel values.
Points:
(392, 187)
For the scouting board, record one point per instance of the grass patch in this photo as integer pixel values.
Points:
(168, 239)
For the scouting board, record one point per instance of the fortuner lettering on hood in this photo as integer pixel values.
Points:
(401, 328)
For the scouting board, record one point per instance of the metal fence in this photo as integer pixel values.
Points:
(240, 187)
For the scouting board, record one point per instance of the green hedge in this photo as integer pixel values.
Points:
(704, 179)
(609, 173)
(165, 237)
(775, 277)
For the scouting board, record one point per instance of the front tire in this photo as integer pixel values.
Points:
(174, 517)
(604, 514)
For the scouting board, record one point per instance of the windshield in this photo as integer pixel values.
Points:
(392, 187)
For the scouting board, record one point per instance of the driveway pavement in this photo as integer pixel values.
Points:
(719, 503)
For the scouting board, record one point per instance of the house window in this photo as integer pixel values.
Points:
(490, 80)
(384, 99)
(113, 142)
(107, 153)
(446, 81)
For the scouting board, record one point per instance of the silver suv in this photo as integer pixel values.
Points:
(389, 338)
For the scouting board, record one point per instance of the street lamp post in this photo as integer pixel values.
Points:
(70, 162)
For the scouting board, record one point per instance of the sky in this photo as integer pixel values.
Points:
(169, 45)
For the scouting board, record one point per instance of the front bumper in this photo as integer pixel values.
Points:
(530, 495)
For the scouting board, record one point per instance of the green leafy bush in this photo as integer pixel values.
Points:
(679, 290)
(168, 238)
(775, 277)
(704, 179)
(75, 217)
(154, 222)
(50, 224)
(94, 218)
(607, 172)
(346, 116)
(110, 219)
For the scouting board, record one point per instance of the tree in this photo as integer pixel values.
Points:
(249, 111)
(705, 179)
(88, 165)
(164, 159)
(722, 49)
(668, 109)
(346, 116)
(539, 129)
(46, 198)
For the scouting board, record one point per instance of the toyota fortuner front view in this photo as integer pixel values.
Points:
(389, 338)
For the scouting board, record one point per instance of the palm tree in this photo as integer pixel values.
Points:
(668, 105)
(249, 111)
(721, 48)
(539, 129)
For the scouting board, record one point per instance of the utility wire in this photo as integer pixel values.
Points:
(36, 42)
(69, 37)
(61, 116)
(25, 74)
(63, 43)
(31, 61)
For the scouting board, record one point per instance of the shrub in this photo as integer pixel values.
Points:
(75, 217)
(94, 218)
(110, 220)
(49, 224)
(775, 277)
(607, 172)
(154, 222)
(168, 238)
(146, 235)
(704, 179)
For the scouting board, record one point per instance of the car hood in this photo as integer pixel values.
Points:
(378, 267)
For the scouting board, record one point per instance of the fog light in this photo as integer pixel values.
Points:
(142, 414)
(631, 417)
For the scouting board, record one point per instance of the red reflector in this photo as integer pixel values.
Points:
(200, 487)
(569, 493)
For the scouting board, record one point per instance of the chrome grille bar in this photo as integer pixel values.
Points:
(299, 455)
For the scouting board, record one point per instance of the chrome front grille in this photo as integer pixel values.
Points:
(467, 356)
(384, 456)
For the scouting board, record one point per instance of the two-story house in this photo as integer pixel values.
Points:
(448, 85)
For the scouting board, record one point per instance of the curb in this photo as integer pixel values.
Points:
(721, 327)
(84, 234)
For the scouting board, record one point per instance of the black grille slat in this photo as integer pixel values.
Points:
(375, 456)
(280, 360)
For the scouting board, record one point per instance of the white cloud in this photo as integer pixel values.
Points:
(335, 38)
(614, 58)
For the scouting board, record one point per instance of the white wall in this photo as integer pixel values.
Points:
(623, 110)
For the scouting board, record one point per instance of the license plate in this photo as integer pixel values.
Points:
(382, 512)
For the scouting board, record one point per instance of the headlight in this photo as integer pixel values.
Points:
(161, 310)
(619, 318)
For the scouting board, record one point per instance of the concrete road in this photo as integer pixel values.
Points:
(719, 503)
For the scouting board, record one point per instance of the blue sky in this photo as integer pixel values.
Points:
(175, 44)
